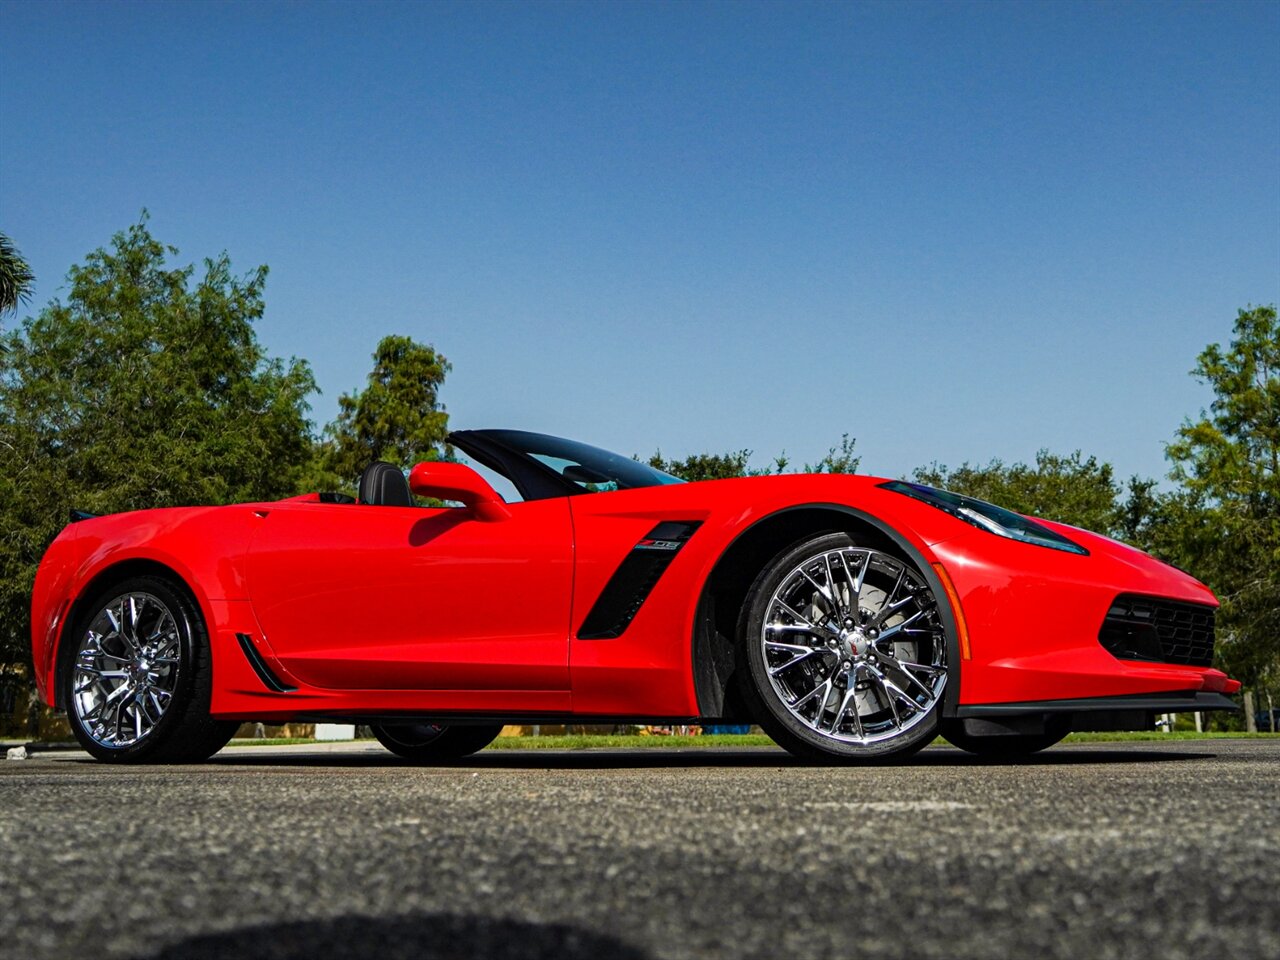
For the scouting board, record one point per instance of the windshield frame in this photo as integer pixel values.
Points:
(507, 452)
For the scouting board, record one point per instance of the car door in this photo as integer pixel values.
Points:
(353, 596)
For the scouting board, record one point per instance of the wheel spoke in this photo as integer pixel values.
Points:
(823, 591)
(101, 674)
(159, 627)
(857, 717)
(888, 597)
(793, 628)
(927, 667)
(797, 652)
(798, 616)
(888, 698)
(888, 632)
(834, 589)
(118, 713)
(892, 690)
(824, 688)
(131, 617)
(897, 667)
(849, 695)
(890, 609)
(855, 586)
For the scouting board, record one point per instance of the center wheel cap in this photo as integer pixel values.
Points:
(854, 642)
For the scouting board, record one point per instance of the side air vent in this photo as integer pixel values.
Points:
(634, 579)
(269, 679)
(1158, 630)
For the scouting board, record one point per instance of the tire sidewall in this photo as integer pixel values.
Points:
(452, 743)
(182, 611)
(771, 712)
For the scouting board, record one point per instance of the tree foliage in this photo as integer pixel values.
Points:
(397, 417)
(839, 459)
(1227, 463)
(16, 278)
(147, 387)
(737, 463)
(705, 466)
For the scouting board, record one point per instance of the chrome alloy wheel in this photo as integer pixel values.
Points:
(853, 645)
(126, 670)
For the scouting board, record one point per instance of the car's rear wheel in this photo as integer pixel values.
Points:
(846, 650)
(1004, 746)
(434, 742)
(137, 677)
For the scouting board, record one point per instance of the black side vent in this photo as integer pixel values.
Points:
(635, 578)
(1158, 630)
(269, 679)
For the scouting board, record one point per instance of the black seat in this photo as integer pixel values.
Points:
(383, 485)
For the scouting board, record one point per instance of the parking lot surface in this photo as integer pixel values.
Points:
(342, 851)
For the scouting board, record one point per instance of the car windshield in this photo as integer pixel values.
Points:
(591, 469)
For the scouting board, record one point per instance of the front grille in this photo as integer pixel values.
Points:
(1162, 631)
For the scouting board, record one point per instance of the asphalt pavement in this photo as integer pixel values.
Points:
(342, 851)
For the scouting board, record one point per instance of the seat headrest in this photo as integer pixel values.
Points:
(383, 485)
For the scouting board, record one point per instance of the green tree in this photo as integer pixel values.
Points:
(16, 278)
(146, 388)
(1070, 489)
(704, 466)
(837, 460)
(1227, 463)
(397, 417)
(737, 463)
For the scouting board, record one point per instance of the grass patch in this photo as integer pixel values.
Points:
(1139, 735)
(635, 742)
(629, 741)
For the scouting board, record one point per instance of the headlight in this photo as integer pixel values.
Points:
(986, 516)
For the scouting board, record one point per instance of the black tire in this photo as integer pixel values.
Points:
(185, 732)
(773, 714)
(434, 743)
(1004, 746)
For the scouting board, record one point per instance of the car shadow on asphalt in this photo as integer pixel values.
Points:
(429, 936)
(707, 757)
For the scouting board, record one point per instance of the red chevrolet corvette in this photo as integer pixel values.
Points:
(853, 618)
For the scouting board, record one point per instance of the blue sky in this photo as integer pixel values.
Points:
(953, 231)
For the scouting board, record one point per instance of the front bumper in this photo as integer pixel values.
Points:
(1035, 615)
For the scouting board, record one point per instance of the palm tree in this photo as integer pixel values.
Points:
(16, 278)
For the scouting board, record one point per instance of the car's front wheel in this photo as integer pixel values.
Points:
(137, 677)
(846, 650)
(433, 742)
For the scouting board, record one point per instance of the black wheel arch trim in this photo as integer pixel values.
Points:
(710, 701)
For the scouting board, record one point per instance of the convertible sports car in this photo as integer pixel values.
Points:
(852, 617)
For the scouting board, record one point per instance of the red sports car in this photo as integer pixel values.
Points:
(852, 617)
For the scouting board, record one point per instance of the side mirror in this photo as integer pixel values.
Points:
(454, 481)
